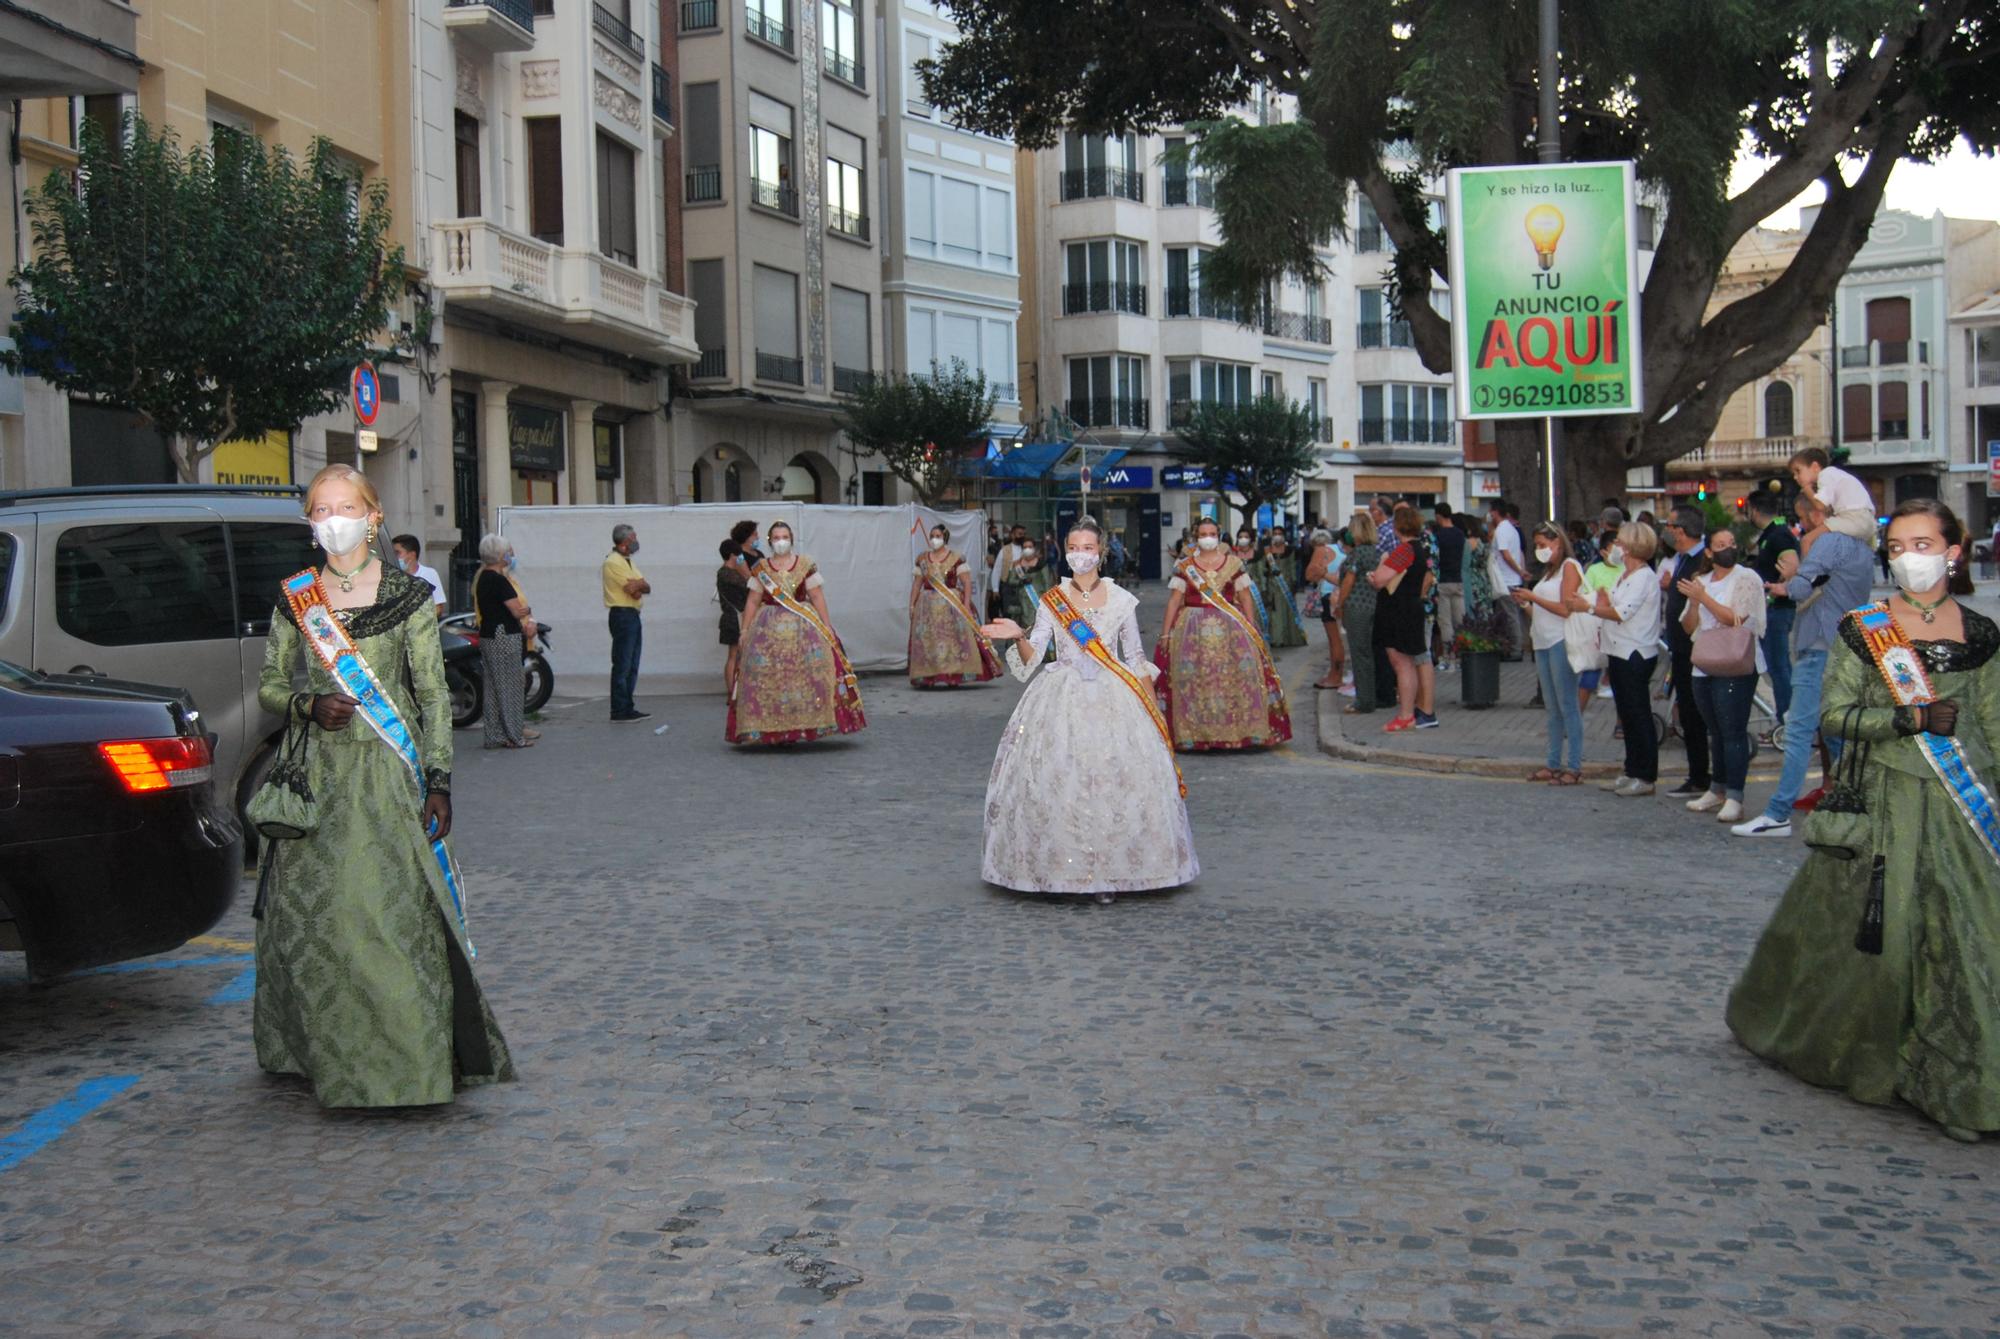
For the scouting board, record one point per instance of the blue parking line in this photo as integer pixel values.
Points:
(52, 1122)
(162, 964)
(240, 988)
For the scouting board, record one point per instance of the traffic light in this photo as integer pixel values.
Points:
(1701, 493)
(1742, 503)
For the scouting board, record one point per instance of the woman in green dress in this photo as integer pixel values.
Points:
(1903, 1006)
(1021, 590)
(364, 977)
(1272, 573)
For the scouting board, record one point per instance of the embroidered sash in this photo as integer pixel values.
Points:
(1211, 591)
(1093, 646)
(846, 684)
(937, 584)
(1910, 685)
(336, 651)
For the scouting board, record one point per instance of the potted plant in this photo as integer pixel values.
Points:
(1479, 649)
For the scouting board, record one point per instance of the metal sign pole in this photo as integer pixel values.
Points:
(1548, 149)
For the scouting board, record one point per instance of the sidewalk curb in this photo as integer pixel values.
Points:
(1336, 745)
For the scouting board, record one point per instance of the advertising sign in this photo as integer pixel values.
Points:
(535, 438)
(1545, 292)
(1993, 471)
(267, 460)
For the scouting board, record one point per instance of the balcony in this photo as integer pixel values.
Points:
(850, 380)
(1104, 296)
(1108, 411)
(768, 28)
(493, 26)
(700, 16)
(780, 367)
(616, 30)
(1187, 188)
(1382, 335)
(1404, 432)
(847, 223)
(847, 69)
(775, 195)
(704, 185)
(1888, 451)
(1093, 183)
(1299, 327)
(1754, 455)
(1886, 353)
(90, 48)
(577, 293)
(713, 365)
(1192, 302)
(663, 96)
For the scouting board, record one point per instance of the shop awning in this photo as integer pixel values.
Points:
(1071, 470)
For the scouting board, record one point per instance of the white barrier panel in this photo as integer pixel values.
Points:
(865, 553)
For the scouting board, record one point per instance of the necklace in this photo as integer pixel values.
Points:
(1082, 594)
(346, 579)
(1927, 612)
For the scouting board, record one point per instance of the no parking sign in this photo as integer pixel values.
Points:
(367, 394)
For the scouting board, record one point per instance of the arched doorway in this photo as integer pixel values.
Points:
(810, 477)
(726, 474)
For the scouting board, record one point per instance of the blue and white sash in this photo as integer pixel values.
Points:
(335, 650)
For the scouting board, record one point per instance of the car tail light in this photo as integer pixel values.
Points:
(159, 764)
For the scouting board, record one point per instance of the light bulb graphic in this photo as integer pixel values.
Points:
(1545, 228)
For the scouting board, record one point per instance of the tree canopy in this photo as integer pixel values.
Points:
(222, 293)
(1258, 450)
(919, 425)
(1393, 92)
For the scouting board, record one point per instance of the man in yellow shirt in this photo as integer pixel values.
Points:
(624, 590)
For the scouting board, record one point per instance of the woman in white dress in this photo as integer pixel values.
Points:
(1085, 796)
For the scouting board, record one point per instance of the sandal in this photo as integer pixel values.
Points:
(1544, 774)
(1352, 710)
(1566, 779)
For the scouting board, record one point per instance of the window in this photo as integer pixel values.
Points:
(1892, 410)
(776, 298)
(1778, 409)
(1181, 183)
(846, 183)
(1985, 355)
(134, 585)
(1368, 234)
(1200, 380)
(545, 180)
(1378, 328)
(617, 208)
(701, 108)
(1104, 276)
(1406, 414)
(1108, 391)
(998, 234)
(266, 552)
(853, 347)
(769, 21)
(965, 222)
(839, 36)
(997, 347)
(1316, 406)
(1646, 227)
(918, 46)
(1889, 330)
(465, 151)
(1857, 406)
(1186, 295)
(1101, 165)
(608, 448)
(711, 317)
(771, 155)
(922, 197)
(939, 335)
(1274, 385)
(958, 220)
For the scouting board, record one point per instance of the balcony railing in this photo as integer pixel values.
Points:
(1090, 183)
(1886, 353)
(1404, 432)
(1108, 411)
(699, 14)
(663, 95)
(1762, 453)
(778, 367)
(713, 365)
(850, 380)
(1187, 188)
(704, 185)
(1299, 326)
(615, 28)
(492, 25)
(776, 195)
(1005, 391)
(847, 69)
(768, 28)
(1382, 335)
(1104, 296)
(1188, 301)
(847, 223)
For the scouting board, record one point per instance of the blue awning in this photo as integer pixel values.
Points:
(1030, 461)
(1070, 470)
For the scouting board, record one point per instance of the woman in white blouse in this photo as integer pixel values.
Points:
(1631, 614)
(1725, 596)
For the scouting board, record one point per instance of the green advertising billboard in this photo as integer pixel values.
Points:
(1545, 290)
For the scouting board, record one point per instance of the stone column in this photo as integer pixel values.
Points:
(582, 487)
(496, 468)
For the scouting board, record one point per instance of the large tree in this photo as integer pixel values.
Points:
(1257, 450)
(221, 293)
(919, 425)
(1395, 91)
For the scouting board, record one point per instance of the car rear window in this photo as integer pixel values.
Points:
(7, 547)
(266, 553)
(144, 584)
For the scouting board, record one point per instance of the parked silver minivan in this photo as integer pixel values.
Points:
(165, 584)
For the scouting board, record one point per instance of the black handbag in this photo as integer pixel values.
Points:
(1839, 824)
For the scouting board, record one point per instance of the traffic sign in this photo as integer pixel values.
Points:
(1993, 470)
(366, 442)
(367, 393)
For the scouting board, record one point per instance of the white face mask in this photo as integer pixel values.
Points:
(1208, 543)
(781, 547)
(1916, 572)
(1082, 561)
(936, 543)
(1542, 555)
(341, 534)
(1618, 555)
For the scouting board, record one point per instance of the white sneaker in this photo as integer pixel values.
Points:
(1633, 789)
(1763, 825)
(1730, 812)
(1706, 802)
(1615, 785)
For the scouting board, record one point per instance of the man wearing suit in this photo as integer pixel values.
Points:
(1685, 535)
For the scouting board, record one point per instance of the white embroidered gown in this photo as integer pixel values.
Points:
(1083, 797)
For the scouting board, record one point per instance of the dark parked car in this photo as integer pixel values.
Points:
(113, 840)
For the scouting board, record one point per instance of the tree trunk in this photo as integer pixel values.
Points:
(1594, 454)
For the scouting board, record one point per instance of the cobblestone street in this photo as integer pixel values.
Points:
(1418, 1055)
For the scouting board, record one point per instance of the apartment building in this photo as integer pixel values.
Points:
(1120, 334)
(1975, 339)
(1894, 379)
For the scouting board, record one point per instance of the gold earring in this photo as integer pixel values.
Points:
(371, 532)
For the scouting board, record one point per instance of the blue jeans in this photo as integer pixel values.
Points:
(1725, 705)
(625, 638)
(1808, 680)
(1559, 705)
(1778, 655)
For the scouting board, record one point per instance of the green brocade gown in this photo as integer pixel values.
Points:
(364, 979)
(1920, 1022)
(1283, 609)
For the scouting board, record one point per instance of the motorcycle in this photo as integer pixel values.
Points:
(460, 635)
